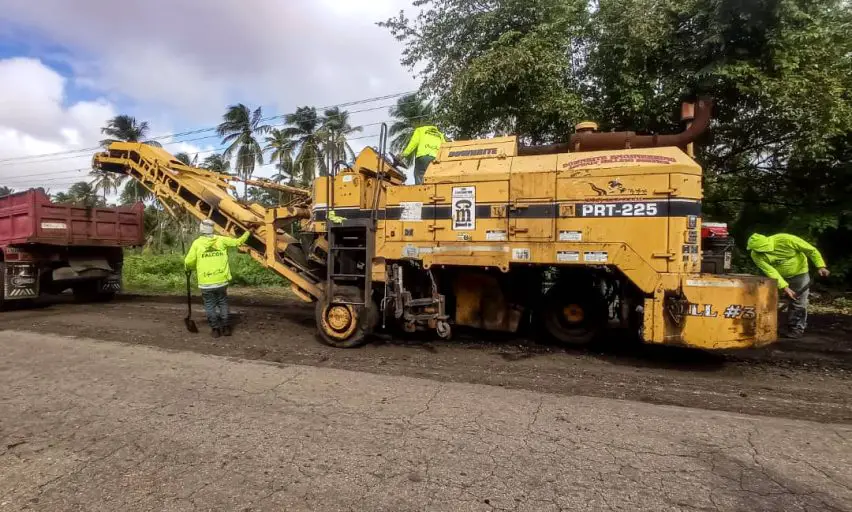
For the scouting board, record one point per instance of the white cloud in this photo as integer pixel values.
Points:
(193, 58)
(34, 120)
(179, 63)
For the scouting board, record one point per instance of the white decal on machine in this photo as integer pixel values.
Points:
(496, 236)
(54, 225)
(596, 257)
(464, 208)
(521, 254)
(411, 212)
(567, 256)
(570, 236)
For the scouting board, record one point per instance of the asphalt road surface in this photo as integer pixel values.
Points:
(98, 425)
(801, 379)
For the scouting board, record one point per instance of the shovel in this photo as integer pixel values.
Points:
(188, 321)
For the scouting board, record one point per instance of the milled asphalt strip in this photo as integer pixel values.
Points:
(88, 425)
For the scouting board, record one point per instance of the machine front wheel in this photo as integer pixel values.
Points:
(342, 325)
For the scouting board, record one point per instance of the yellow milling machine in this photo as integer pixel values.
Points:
(567, 241)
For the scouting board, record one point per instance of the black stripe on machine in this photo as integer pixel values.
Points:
(665, 208)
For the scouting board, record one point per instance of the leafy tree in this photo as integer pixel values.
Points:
(184, 157)
(282, 148)
(61, 198)
(106, 182)
(217, 163)
(305, 127)
(133, 192)
(496, 67)
(5, 191)
(84, 194)
(239, 128)
(409, 113)
(128, 129)
(780, 72)
(336, 129)
(121, 128)
(263, 196)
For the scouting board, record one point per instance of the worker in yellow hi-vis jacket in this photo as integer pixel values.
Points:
(208, 256)
(424, 144)
(785, 258)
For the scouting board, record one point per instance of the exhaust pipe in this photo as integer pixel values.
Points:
(586, 140)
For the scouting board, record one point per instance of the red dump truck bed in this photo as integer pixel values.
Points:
(31, 218)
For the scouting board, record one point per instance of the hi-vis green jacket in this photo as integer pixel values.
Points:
(208, 256)
(426, 140)
(782, 256)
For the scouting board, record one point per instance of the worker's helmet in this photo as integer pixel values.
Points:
(206, 227)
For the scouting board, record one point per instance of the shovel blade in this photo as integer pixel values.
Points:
(190, 325)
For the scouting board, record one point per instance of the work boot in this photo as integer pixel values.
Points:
(226, 330)
(793, 335)
(215, 333)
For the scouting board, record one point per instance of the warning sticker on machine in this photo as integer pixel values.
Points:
(464, 208)
(496, 236)
(521, 254)
(54, 225)
(411, 212)
(570, 236)
(567, 256)
(596, 257)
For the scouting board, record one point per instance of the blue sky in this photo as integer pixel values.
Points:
(66, 67)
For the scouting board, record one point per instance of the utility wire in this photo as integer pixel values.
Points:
(202, 130)
(12, 180)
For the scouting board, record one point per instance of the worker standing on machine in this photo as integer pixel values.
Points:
(208, 256)
(784, 258)
(424, 144)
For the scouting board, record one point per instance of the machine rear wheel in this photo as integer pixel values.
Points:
(571, 317)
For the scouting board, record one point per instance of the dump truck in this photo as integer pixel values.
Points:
(48, 248)
(600, 231)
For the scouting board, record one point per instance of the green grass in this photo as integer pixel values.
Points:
(163, 273)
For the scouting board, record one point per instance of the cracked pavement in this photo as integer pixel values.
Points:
(93, 425)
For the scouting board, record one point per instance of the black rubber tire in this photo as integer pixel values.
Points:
(551, 317)
(2, 286)
(90, 292)
(356, 339)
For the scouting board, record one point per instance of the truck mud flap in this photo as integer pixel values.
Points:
(20, 282)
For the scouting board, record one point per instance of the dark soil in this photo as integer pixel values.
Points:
(805, 379)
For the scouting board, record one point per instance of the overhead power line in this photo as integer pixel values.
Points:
(207, 129)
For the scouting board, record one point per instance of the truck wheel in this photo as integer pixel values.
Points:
(91, 292)
(2, 285)
(572, 317)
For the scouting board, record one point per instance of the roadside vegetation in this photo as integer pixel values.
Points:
(147, 272)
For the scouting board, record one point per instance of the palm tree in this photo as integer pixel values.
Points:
(239, 128)
(217, 163)
(5, 191)
(410, 113)
(184, 157)
(336, 128)
(106, 182)
(62, 197)
(282, 148)
(134, 191)
(305, 127)
(126, 128)
(84, 193)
